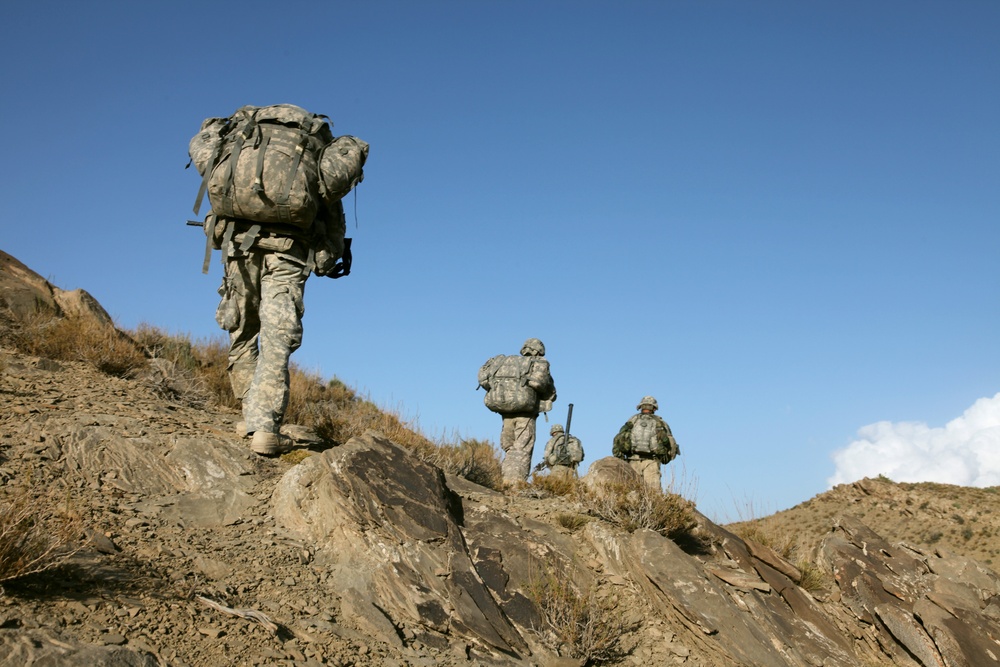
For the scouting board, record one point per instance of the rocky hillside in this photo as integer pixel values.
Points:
(943, 517)
(193, 551)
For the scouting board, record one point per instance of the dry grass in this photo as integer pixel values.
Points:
(632, 505)
(768, 533)
(78, 339)
(813, 579)
(34, 537)
(587, 626)
(771, 533)
(189, 372)
(556, 485)
(572, 522)
(195, 373)
(476, 460)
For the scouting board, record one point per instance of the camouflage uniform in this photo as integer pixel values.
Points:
(644, 453)
(551, 457)
(275, 176)
(536, 392)
(262, 308)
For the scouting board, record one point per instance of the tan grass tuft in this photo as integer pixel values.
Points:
(632, 505)
(79, 339)
(588, 626)
(572, 522)
(556, 485)
(476, 460)
(33, 536)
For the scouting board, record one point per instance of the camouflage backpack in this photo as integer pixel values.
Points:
(505, 379)
(274, 164)
(566, 451)
(646, 434)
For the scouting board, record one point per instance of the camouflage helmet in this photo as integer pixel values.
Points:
(649, 403)
(556, 428)
(533, 348)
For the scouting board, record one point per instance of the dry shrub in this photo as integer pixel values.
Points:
(79, 339)
(631, 505)
(763, 530)
(586, 626)
(475, 460)
(556, 485)
(213, 370)
(158, 344)
(338, 413)
(572, 522)
(813, 578)
(179, 369)
(768, 533)
(33, 536)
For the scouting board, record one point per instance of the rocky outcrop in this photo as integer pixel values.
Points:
(24, 292)
(932, 607)
(389, 529)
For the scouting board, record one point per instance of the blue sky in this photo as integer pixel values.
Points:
(778, 218)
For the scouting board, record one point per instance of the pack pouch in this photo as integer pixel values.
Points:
(227, 315)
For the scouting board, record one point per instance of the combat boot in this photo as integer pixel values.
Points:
(270, 444)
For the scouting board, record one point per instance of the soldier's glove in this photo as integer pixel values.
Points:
(343, 267)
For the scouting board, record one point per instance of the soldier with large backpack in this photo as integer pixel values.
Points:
(274, 177)
(645, 441)
(563, 453)
(518, 387)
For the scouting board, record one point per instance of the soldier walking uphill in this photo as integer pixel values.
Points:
(518, 387)
(645, 441)
(563, 453)
(275, 177)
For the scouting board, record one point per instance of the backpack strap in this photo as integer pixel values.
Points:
(227, 240)
(258, 179)
(249, 236)
(300, 149)
(210, 221)
(241, 138)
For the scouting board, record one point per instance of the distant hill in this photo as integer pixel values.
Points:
(961, 519)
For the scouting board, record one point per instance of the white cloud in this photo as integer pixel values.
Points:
(965, 452)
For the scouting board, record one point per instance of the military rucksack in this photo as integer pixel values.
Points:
(274, 164)
(646, 434)
(505, 379)
(566, 451)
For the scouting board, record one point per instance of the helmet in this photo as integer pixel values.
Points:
(533, 348)
(556, 428)
(648, 402)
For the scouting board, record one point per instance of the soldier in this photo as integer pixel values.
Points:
(262, 307)
(518, 388)
(276, 216)
(645, 441)
(562, 453)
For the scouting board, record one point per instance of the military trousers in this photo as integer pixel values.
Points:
(649, 470)
(517, 440)
(263, 294)
(563, 471)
